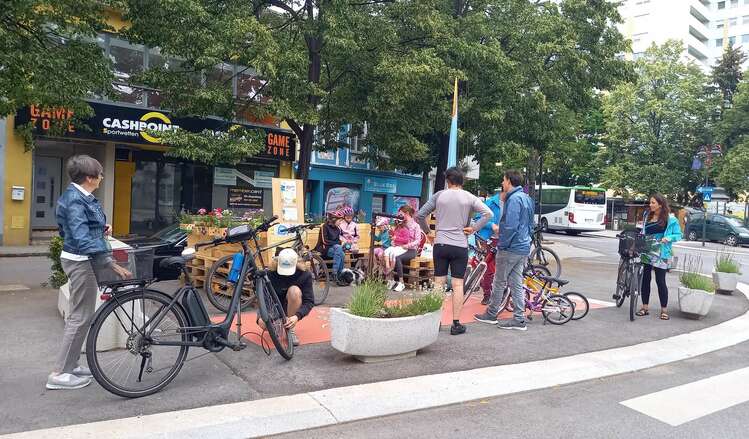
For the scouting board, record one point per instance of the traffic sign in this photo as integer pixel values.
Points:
(705, 189)
(707, 196)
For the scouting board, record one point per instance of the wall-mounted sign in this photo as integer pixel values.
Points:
(381, 185)
(264, 179)
(224, 176)
(245, 198)
(131, 125)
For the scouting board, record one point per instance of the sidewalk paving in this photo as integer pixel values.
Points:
(31, 328)
(23, 251)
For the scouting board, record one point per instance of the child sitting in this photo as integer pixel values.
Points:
(382, 238)
(349, 230)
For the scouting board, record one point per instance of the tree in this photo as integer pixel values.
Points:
(734, 172)
(49, 56)
(727, 72)
(656, 124)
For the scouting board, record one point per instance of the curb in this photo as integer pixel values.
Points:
(23, 255)
(359, 402)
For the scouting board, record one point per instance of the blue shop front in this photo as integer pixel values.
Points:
(339, 179)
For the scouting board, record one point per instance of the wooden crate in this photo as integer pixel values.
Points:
(419, 271)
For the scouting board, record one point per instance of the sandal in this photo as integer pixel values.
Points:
(665, 316)
(642, 312)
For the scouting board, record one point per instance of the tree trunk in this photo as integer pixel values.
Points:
(531, 170)
(314, 45)
(424, 187)
(439, 180)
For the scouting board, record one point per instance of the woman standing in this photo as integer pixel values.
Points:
(661, 226)
(84, 230)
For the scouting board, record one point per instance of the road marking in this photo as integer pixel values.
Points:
(681, 404)
(13, 287)
(335, 406)
(602, 303)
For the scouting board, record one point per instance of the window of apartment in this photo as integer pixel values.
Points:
(732, 40)
(127, 60)
(718, 42)
(745, 19)
(732, 21)
(719, 25)
(745, 38)
(721, 5)
(734, 3)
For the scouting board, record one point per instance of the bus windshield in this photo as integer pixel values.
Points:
(583, 196)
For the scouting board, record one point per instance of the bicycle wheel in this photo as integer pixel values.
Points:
(472, 281)
(537, 270)
(320, 278)
(634, 291)
(621, 284)
(219, 289)
(546, 258)
(557, 310)
(274, 317)
(122, 358)
(581, 304)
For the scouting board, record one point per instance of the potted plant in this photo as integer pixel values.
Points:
(697, 291)
(373, 329)
(726, 274)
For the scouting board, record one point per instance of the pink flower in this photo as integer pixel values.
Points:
(202, 211)
(218, 210)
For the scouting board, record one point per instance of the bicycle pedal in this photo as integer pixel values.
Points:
(239, 346)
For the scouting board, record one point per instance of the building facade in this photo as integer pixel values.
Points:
(705, 27)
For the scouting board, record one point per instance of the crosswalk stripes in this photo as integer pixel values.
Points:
(681, 404)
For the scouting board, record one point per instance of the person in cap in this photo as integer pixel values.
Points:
(293, 285)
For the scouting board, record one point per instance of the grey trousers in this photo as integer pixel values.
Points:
(509, 270)
(83, 291)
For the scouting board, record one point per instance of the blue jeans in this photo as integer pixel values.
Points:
(336, 252)
(509, 271)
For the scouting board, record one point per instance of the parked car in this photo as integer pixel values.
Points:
(721, 228)
(167, 242)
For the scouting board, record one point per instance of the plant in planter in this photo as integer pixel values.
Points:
(57, 278)
(373, 329)
(726, 274)
(697, 291)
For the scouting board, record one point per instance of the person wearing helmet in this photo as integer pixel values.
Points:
(329, 242)
(381, 238)
(293, 285)
(349, 230)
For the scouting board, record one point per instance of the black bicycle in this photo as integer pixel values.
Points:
(219, 285)
(542, 256)
(138, 340)
(629, 275)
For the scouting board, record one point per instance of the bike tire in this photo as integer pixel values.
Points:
(95, 358)
(320, 279)
(274, 317)
(634, 292)
(472, 281)
(546, 258)
(582, 306)
(537, 270)
(565, 310)
(219, 289)
(621, 283)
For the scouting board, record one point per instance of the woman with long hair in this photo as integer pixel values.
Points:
(659, 225)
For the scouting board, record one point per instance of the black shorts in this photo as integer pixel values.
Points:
(456, 258)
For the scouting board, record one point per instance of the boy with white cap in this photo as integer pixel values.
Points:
(293, 285)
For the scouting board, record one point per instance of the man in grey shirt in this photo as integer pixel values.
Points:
(453, 209)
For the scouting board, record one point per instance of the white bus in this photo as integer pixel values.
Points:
(572, 209)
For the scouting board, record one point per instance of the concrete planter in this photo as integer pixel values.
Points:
(373, 340)
(725, 283)
(694, 304)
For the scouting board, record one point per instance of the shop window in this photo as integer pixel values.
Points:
(400, 200)
(338, 195)
(378, 203)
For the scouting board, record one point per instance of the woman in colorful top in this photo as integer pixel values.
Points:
(349, 230)
(406, 239)
(381, 238)
(660, 226)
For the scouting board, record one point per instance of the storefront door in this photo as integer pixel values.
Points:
(47, 189)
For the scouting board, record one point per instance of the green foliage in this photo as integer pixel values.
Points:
(726, 263)
(49, 55)
(691, 276)
(727, 72)
(213, 147)
(57, 278)
(370, 300)
(734, 169)
(656, 124)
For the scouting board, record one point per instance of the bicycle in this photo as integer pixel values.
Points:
(629, 275)
(579, 301)
(542, 256)
(219, 287)
(555, 308)
(158, 329)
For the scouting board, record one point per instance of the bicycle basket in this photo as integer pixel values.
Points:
(137, 261)
(632, 245)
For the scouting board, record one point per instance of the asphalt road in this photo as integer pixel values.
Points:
(591, 409)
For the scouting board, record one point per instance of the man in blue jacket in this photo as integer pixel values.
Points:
(515, 230)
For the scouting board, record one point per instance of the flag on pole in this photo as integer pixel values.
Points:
(452, 153)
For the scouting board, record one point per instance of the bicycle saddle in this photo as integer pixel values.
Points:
(560, 282)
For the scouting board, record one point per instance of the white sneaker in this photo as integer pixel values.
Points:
(82, 371)
(67, 381)
(391, 284)
(399, 287)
